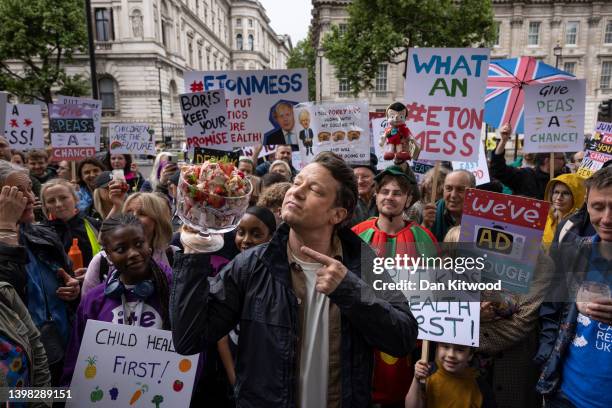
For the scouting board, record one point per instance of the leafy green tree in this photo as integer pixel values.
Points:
(303, 55)
(37, 37)
(381, 31)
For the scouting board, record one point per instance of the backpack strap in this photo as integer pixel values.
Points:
(104, 267)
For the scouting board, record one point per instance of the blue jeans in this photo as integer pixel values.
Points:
(558, 400)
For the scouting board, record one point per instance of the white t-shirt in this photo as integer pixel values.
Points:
(314, 360)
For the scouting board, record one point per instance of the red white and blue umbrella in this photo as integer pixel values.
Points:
(505, 97)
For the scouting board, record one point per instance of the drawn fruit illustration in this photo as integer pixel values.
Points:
(184, 365)
(115, 145)
(138, 393)
(158, 399)
(90, 370)
(96, 395)
(177, 386)
(114, 393)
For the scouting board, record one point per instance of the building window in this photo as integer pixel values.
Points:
(569, 67)
(104, 24)
(342, 29)
(533, 37)
(200, 61)
(164, 34)
(239, 41)
(606, 73)
(238, 22)
(571, 32)
(197, 5)
(608, 36)
(343, 87)
(497, 29)
(219, 33)
(381, 78)
(190, 51)
(251, 43)
(250, 23)
(107, 93)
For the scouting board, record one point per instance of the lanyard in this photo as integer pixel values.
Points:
(137, 312)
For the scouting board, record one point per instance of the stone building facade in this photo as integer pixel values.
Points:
(582, 28)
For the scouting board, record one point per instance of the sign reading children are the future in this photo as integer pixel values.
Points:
(251, 98)
(131, 138)
(130, 366)
(205, 119)
(444, 93)
(23, 128)
(554, 117)
(73, 135)
(341, 128)
(508, 229)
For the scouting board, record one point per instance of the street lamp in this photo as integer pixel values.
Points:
(320, 54)
(557, 52)
(159, 66)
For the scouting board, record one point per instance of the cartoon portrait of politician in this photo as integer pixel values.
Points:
(306, 134)
(281, 115)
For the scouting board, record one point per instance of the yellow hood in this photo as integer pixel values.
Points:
(576, 185)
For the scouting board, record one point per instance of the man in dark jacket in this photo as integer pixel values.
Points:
(309, 317)
(524, 181)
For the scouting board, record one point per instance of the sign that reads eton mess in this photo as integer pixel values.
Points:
(252, 98)
(205, 119)
(444, 93)
(73, 135)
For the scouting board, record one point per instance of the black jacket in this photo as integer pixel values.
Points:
(255, 290)
(275, 137)
(75, 228)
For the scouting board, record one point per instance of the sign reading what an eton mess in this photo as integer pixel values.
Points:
(255, 100)
(73, 134)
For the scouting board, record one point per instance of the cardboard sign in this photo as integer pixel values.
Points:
(252, 99)
(205, 119)
(130, 366)
(265, 151)
(420, 167)
(444, 92)
(341, 128)
(131, 138)
(480, 169)
(554, 117)
(94, 104)
(23, 128)
(455, 322)
(599, 150)
(508, 229)
(72, 131)
(201, 154)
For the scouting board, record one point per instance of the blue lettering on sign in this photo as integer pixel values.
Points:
(247, 85)
(446, 65)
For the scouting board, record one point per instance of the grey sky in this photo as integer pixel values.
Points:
(289, 17)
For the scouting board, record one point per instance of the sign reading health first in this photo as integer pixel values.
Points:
(251, 98)
(444, 93)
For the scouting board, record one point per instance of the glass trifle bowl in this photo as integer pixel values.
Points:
(211, 199)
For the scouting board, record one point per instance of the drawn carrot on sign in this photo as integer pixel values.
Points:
(143, 388)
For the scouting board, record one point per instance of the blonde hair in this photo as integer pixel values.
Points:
(156, 208)
(281, 163)
(153, 178)
(98, 204)
(54, 183)
(303, 113)
(453, 234)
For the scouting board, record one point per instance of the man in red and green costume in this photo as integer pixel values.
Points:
(390, 235)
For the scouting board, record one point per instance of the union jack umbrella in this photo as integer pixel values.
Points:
(505, 97)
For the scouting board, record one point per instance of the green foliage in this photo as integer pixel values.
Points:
(304, 55)
(381, 31)
(40, 36)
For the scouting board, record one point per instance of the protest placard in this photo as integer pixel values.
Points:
(94, 104)
(554, 117)
(599, 150)
(205, 119)
(444, 92)
(479, 169)
(378, 126)
(252, 101)
(508, 229)
(202, 154)
(123, 365)
(265, 151)
(131, 138)
(72, 132)
(420, 167)
(23, 128)
(341, 128)
(455, 322)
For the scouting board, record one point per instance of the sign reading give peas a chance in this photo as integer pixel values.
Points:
(130, 366)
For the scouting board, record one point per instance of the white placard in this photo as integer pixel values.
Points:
(94, 104)
(480, 169)
(444, 93)
(23, 128)
(205, 119)
(131, 138)
(72, 131)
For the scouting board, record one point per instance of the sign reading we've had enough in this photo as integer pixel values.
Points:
(73, 135)
(123, 366)
(205, 119)
(444, 93)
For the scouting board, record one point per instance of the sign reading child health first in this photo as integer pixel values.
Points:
(130, 366)
(444, 93)
(250, 97)
(554, 117)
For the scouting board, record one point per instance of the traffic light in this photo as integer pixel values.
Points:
(605, 111)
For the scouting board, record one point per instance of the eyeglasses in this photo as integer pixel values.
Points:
(562, 193)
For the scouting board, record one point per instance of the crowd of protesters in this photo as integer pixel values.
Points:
(284, 315)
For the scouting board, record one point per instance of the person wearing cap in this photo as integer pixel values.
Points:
(102, 202)
(390, 235)
(366, 204)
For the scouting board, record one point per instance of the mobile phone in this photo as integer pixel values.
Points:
(118, 174)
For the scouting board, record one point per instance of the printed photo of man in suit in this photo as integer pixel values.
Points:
(306, 134)
(283, 116)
